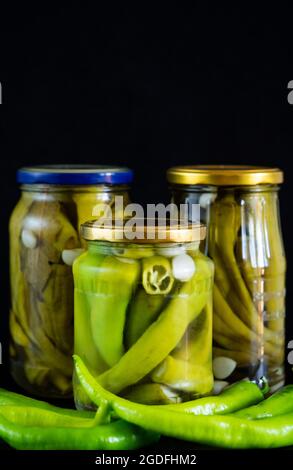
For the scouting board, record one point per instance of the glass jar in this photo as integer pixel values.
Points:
(241, 209)
(44, 240)
(143, 314)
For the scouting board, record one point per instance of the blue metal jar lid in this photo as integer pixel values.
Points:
(74, 175)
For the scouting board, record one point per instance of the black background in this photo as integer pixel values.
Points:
(149, 87)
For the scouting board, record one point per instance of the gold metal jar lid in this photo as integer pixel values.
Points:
(145, 231)
(224, 175)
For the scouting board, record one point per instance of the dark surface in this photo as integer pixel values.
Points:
(147, 87)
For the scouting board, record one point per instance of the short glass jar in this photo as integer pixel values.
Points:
(240, 207)
(143, 313)
(44, 240)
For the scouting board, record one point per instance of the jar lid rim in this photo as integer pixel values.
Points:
(74, 174)
(224, 175)
(147, 231)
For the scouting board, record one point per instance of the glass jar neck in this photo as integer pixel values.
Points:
(214, 189)
(52, 188)
(190, 188)
(140, 250)
(89, 194)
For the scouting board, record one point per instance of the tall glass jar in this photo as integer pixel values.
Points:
(143, 314)
(44, 241)
(241, 209)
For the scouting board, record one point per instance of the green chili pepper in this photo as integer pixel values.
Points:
(32, 416)
(183, 375)
(152, 394)
(221, 431)
(278, 404)
(118, 435)
(84, 344)
(195, 346)
(189, 367)
(233, 398)
(157, 277)
(243, 358)
(164, 334)
(15, 399)
(26, 423)
(133, 252)
(110, 286)
(238, 283)
(144, 309)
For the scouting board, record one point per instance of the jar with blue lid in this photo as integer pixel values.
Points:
(44, 241)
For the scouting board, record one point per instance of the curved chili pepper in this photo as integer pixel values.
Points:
(221, 431)
(118, 435)
(26, 423)
(278, 404)
(15, 399)
(32, 416)
(233, 398)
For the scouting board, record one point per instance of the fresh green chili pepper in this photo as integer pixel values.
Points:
(157, 277)
(233, 398)
(32, 416)
(278, 404)
(26, 423)
(221, 431)
(15, 399)
(164, 334)
(118, 435)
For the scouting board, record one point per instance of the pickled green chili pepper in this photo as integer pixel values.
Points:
(133, 252)
(222, 431)
(228, 223)
(144, 310)
(243, 358)
(183, 375)
(157, 277)
(152, 394)
(195, 346)
(164, 334)
(278, 404)
(188, 368)
(111, 286)
(234, 309)
(84, 344)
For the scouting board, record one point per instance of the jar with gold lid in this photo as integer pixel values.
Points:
(143, 312)
(239, 205)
